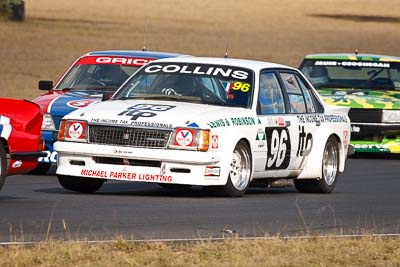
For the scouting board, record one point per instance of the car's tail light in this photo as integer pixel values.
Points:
(48, 123)
(190, 139)
(71, 130)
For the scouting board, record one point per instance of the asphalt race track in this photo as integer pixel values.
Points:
(366, 200)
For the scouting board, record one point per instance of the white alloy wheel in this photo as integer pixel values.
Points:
(240, 168)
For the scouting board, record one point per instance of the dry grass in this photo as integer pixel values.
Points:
(367, 251)
(283, 31)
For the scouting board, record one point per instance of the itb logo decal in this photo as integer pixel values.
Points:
(144, 110)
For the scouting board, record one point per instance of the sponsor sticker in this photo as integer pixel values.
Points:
(355, 129)
(80, 103)
(363, 64)
(126, 175)
(51, 157)
(16, 164)
(212, 171)
(184, 137)
(128, 61)
(144, 110)
(346, 138)
(222, 72)
(75, 130)
(279, 121)
(214, 141)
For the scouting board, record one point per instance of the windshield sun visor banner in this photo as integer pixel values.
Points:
(359, 64)
(128, 61)
(220, 72)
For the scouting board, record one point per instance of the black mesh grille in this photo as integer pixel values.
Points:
(133, 137)
(367, 115)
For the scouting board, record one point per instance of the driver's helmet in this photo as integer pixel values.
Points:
(319, 75)
(179, 85)
(110, 74)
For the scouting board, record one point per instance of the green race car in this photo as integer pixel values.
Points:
(370, 86)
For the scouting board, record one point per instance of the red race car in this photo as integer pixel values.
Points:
(20, 140)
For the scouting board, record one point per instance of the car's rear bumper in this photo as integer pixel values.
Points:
(27, 155)
(50, 155)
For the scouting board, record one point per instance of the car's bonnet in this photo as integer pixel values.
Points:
(361, 98)
(71, 101)
(153, 113)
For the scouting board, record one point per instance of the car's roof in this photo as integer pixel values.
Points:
(134, 53)
(250, 64)
(356, 57)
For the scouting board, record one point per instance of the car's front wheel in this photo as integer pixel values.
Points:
(239, 172)
(330, 170)
(80, 184)
(3, 165)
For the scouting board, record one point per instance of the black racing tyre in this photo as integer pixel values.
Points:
(330, 170)
(239, 173)
(3, 165)
(80, 184)
(41, 169)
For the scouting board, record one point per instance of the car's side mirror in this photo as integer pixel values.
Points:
(45, 85)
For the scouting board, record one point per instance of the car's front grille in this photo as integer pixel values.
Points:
(124, 136)
(366, 115)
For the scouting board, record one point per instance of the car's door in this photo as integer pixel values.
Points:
(283, 138)
(273, 142)
(302, 109)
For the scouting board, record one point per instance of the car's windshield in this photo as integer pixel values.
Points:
(375, 75)
(100, 72)
(191, 82)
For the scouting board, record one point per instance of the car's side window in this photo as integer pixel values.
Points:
(296, 99)
(307, 95)
(270, 97)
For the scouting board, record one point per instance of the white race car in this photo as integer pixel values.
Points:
(216, 122)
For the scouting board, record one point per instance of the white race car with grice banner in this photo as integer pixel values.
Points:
(220, 123)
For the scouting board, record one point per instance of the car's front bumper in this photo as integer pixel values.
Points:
(141, 164)
(375, 137)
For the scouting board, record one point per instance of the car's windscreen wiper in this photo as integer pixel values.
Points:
(96, 88)
(193, 99)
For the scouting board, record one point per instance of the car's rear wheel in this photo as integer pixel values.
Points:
(239, 172)
(3, 165)
(330, 170)
(80, 184)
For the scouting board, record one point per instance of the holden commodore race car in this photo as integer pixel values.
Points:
(20, 140)
(215, 122)
(370, 86)
(86, 81)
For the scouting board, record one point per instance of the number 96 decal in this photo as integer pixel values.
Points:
(278, 143)
(244, 87)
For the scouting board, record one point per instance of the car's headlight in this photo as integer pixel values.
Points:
(48, 123)
(391, 115)
(190, 139)
(73, 130)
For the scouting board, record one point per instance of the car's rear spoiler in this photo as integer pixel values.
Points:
(337, 109)
(23, 114)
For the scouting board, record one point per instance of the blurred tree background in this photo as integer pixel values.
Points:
(12, 9)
